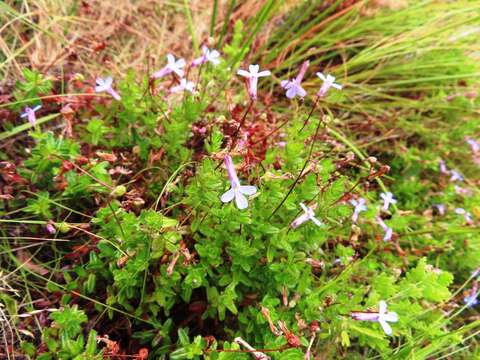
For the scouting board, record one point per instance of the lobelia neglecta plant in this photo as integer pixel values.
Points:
(218, 269)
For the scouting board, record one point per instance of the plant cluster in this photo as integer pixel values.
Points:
(184, 220)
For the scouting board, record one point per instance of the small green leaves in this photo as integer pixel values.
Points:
(33, 85)
(97, 130)
(69, 320)
(425, 281)
(40, 205)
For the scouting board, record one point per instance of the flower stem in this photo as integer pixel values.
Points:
(240, 125)
(311, 112)
(320, 122)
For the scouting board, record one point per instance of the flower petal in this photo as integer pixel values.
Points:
(301, 92)
(253, 69)
(391, 317)
(388, 234)
(387, 328)
(101, 88)
(180, 63)
(264, 73)
(108, 81)
(241, 200)
(178, 71)
(247, 189)
(364, 316)
(243, 73)
(316, 221)
(291, 92)
(228, 196)
(170, 59)
(321, 76)
(304, 207)
(382, 307)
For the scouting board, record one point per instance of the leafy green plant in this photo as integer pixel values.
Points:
(151, 234)
(33, 85)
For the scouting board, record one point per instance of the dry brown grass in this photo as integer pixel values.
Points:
(97, 36)
(94, 37)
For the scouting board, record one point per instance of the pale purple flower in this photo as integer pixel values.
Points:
(471, 299)
(293, 87)
(236, 191)
(387, 200)
(388, 230)
(105, 85)
(50, 228)
(382, 317)
(252, 75)
(441, 208)
(466, 215)
(475, 145)
(328, 82)
(184, 85)
(173, 65)
(359, 207)
(443, 167)
(308, 214)
(455, 176)
(208, 56)
(30, 114)
(462, 191)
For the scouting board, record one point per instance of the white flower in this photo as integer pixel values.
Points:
(293, 87)
(252, 75)
(359, 207)
(388, 230)
(382, 317)
(173, 65)
(29, 113)
(105, 85)
(455, 176)
(387, 200)
(211, 56)
(443, 167)
(475, 145)
(466, 215)
(184, 85)
(236, 191)
(328, 82)
(308, 214)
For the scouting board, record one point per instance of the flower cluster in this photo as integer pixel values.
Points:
(455, 176)
(293, 87)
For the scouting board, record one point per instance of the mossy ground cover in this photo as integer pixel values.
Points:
(190, 209)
